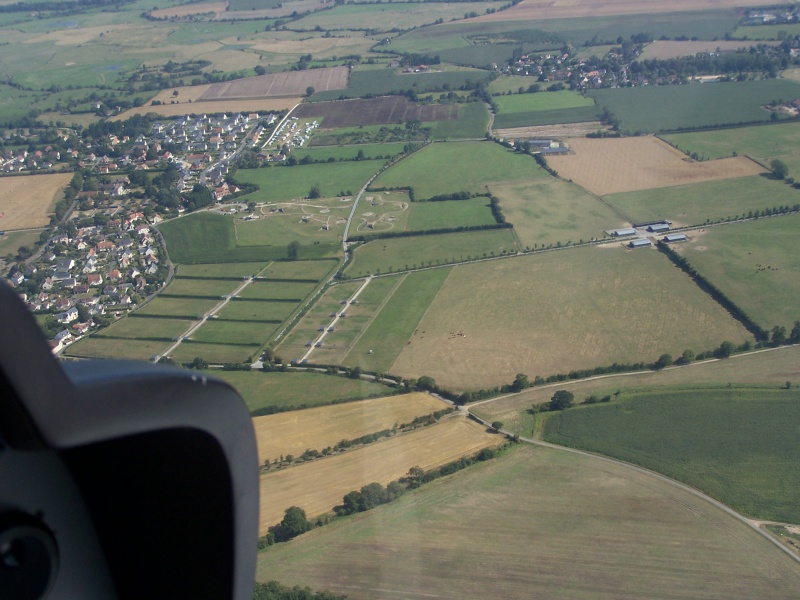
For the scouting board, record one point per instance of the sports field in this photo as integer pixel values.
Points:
(739, 446)
(318, 486)
(294, 390)
(447, 168)
(389, 110)
(539, 523)
(608, 166)
(292, 433)
(551, 210)
(401, 254)
(756, 264)
(650, 109)
(558, 311)
(28, 201)
(711, 200)
(763, 143)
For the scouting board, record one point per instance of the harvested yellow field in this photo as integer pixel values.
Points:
(561, 130)
(318, 486)
(529, 10)
(219, 106)
(185, 10)
(609, 166)
(28, 201)
(664, 49)
(296, 431)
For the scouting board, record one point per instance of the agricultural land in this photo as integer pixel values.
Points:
(28, 202)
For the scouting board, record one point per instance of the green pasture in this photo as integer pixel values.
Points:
(382, 81)
(276, 290)
(450, 213)
(506, 84)
(253, 4)
(472, 122)
(551, 210)
(756, 264)
(562, 526)
(287, 183)
(205, 237)
(187, 308)
(210, 288)
(401, 254)
(766, 32)
(446, 168)
(100, 347)
(187, 351)
(385, 17)
(337, 153)
(227, 270)
(256, 310)
(484, 55)
(518, 103)
(294, 390)
(12, 241)
(396, 317)
(739, 446)
(279, 229)
(299, 269)
(669, 107)
(762, 143)
(146, 328)
(699, 203)
(218, 331)
(546, 117)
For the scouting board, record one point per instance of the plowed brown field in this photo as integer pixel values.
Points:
(28, 201)
(318, 486)
(290, 83)
(609, 166)
(376, 111)
(529, 10)
(317, 428)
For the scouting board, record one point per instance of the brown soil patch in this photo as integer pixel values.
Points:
(318, 486)
(377, 111)
(220, 106)
(563, 130)
(529, 10)
(317, 428)
(27, 201)
(663, 49)
(610, 166)
(290, 83)
(184, 10)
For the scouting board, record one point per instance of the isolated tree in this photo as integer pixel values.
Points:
(561, 400)
(293, 250)
(315, 191)
(310, 91)
(259, 70)
(426, 383)
(293, 524)
(497, 426)
(779, 168)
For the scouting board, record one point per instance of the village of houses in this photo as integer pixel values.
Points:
(85, 276)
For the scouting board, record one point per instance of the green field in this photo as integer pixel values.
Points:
(12, 241)
(766, 32)
(295, 390)
(670, 107)
(763, 143)
(286, 183)
(233, 332)
(205, 237)
(188, 308)
(323, 224)
(396, 318)
(449, 213)
(299, 269)
(447, 168)
(547, 117)
(256, 310)
(371, 151)
(523, 103)
(146, 328)
(558, 311)
(401, 254)
(99, 347)
(210, 288)
(213, 353)
(276, 290)
(556, 526)
(552, 210)
(473, 119)
(739, 446)
(756, 264)
(226, 270)
(699, 203)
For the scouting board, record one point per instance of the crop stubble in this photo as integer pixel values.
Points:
(27, 201)
(377, 111)
(608, 166)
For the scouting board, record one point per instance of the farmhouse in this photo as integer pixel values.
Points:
(623, 232)
(674, 237)
(641, 243)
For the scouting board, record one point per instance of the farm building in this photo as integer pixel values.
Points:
(674, 237)
(642, 243)
(658, 227)
(625, 231)
(559, 150)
